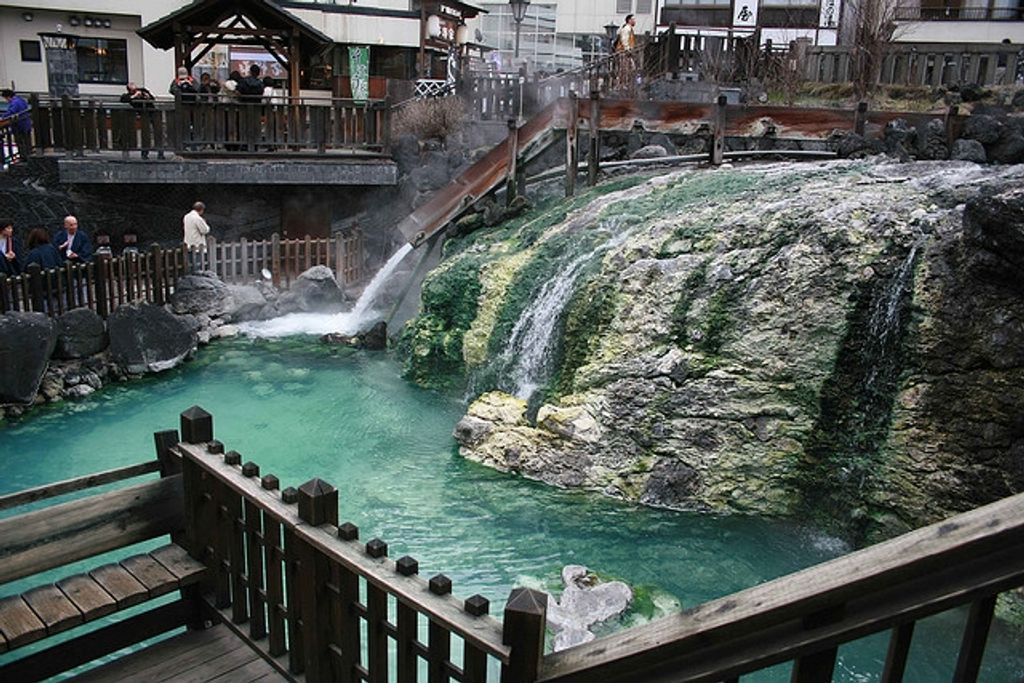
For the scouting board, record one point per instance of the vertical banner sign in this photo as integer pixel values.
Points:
(744, 14)
(828, 16)
(359, 71)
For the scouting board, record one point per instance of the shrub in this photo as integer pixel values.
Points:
(431, 118)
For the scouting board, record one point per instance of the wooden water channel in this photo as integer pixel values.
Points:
(271, 583)
(150, 276)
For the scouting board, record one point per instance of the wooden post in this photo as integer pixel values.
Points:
(158, 275)
(275, 256)
(512, 142)
(170, 463)
(594, 156)
(952, 129)
(972, 648)
(671, 51)
(102, 296)
(318, 504)
(196, 426)
(571, 147)
(860, 118)
(35, 277)
(523, 631)
(718, 141)
(339, 260)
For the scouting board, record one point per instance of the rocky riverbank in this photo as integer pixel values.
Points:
(839, 340)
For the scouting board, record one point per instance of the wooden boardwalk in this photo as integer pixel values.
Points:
(215, 654)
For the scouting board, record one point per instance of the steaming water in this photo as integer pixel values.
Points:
(348, 322)
(300, 409)
(528, 352)
(884, 323)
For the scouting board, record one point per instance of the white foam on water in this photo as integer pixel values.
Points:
(349, 322)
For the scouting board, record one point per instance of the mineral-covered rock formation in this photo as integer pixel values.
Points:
(843, 339)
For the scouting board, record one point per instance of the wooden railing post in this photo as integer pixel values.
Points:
(860, 118)
(523, 631)
(35, 283)
(952, 127)
(718, 141)
(513, 155)
(571, 147)
(671, 51)
(102, 295)
(158, 275)
(318, 504)
(594, 157)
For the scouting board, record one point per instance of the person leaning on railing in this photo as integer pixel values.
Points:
(10, 251)
(19, 114)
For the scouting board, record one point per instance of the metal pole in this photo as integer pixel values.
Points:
(518, 26)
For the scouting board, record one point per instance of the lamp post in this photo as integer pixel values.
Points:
(609, 31)
(519, 8)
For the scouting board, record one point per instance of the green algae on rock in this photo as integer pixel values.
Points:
(776, 339)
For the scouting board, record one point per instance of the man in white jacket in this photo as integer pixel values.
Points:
(195, 227)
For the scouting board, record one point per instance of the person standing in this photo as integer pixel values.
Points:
(10, 250)
(184, 85)
(625, 43)
(626, 38)
(21, 121)
(73, 244)
(195, 229)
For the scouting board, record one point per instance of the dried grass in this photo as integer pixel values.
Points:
(429, 118)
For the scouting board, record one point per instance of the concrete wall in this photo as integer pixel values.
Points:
(146, 65)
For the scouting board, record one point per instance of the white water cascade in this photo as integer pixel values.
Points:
(348, 322)
(527, 354)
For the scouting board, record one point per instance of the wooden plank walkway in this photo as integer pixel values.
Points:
(215, 654)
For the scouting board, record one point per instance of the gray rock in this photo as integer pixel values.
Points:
(244, 302)
(931, 142)
(663, 140)
(1018, 100)
(968, 150)
(147, 338)
(983, 128)
(649, 152)
(1009, 148)
(26, 342)
(584, 602)
(80, 333)
(672, 484)
(79, 391)
(899, 138)
(471, 430)
(200, 294)
(314, 290)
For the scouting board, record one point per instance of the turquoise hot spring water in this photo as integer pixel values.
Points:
(300, 409)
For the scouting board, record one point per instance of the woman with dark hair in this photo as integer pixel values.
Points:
(41, 251)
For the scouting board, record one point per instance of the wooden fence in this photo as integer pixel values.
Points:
(287, 125)
(150, 276)
(9, 152)
(311, 596)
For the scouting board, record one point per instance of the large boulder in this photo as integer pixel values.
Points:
(147, 338)
(314, 290)
(968, 150)
(1009, 148)
(983, 128)
(80, 334)
(931, 141)
(200, 293)
(244, 302)
(26, 342)
(649, 152)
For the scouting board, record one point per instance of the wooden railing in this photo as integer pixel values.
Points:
(287, 125)
(108, 282)
(9, 152)
(804, 617)
(289, 578)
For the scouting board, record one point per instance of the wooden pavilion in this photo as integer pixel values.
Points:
(194, 30)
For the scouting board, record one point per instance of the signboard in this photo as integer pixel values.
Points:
(828, 16)
(241, 58)
(359, 71)
(744, 13)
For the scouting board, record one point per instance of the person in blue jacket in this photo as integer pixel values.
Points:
(11, 255)
(21, 120)
(73, 244)
(41, 251)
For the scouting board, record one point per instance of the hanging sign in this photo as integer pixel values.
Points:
(828, 15)
(359, 71)
(744, 13)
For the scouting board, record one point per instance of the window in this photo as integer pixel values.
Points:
(643, 6)
(30, 51)
(623, 6)
(102, 60)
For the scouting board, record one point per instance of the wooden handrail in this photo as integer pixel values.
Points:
(968, 557)
(59, 488)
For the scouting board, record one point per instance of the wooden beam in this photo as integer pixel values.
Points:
(59, 488)
(59, 534)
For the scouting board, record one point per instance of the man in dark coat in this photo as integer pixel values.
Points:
(72, 243)
(11, 256)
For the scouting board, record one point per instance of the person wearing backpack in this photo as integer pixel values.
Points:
(184, 85)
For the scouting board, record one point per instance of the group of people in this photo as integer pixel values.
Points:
(237, 88)
(68, 245)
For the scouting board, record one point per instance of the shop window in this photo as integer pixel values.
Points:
(623, 6)
(102, 60)
(31, 51)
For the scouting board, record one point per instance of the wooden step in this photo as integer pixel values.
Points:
(82, 598)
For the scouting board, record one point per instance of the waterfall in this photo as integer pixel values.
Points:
(884, 324)
(525, 360)
(349, 322)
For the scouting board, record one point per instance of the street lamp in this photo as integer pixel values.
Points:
(519, 8)
(609, 31)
